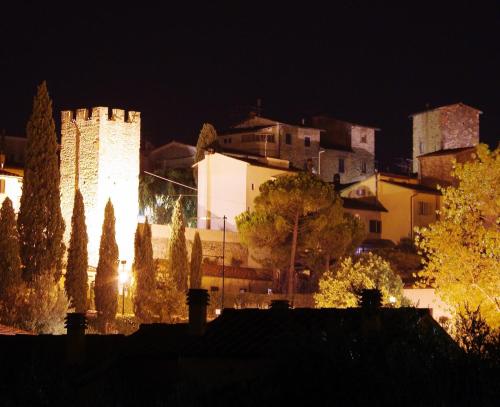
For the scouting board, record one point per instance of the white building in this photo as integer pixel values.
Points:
(228, 185)
(11, 187)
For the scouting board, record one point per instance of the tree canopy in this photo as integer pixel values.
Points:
(206, 138)
(178, 268)
(40, 221)
(342, 287)
(462, 250)
(106, 277)
(295, 215)
(76, 279)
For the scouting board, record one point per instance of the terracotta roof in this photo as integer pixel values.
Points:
(415, 187)
(247, 273)
(9, 330)
(364, 204)
(447, 151)
(8, 173)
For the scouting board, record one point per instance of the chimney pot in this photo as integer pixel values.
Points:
(197, 300)
(280, 304)
(75, 337)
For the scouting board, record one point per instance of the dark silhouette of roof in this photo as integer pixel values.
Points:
(416, 187)
(451, 151)
(367, 204)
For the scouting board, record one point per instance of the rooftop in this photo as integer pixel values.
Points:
(367, 204)
(446, 107)
(450, 151)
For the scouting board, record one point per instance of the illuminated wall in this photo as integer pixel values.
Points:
(100, 154)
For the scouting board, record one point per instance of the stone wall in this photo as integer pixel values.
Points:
(436, 169)
(297, 152)
(353, 165)
(100, 155)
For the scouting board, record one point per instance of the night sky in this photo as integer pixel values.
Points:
(368, 62)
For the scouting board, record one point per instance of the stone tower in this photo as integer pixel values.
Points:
(100, 156)
(444, 128)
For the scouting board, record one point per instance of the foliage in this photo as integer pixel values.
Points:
(11, 282)
(177, 251)
(206, 138)
(462, 249)
(404, 260)
(171, 306)
(45, 307)
(157, 197)
(40, 221)
(341, 288)
(106, 278)
(145, 275)
(76, 279)
(471, 332)
(293, 214)
(195, 264)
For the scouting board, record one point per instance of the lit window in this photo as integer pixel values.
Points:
(2, 186)
(307, 141)
(341, 165)
(375, 226)
(363, 167)
(288, 138)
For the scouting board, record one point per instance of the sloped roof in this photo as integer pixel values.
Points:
(445, 107)
(450, 151)
(364, 204)
(415, 187)
(8, 173)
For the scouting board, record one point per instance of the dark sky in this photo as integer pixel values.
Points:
(369, 62)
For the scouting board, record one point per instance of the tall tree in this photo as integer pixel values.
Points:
(106, 278)
(40, 222)
(462, 250)
(342, 287)
(76, 281)
(145, 275)
(283, 213)
(206, 138)
(11, 283)
(195, 265)
(177, 251)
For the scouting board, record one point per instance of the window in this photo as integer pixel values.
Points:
(360, 192)
(243, 290)
(424, 208)
(307, 141)
(252, 187)
(229, 140)
(363, 138)
(251, 138)
(421, 147)
(2, 186)
(363, 167)
(375, 226)
(288, 138)
(214, 289)
(341, 165)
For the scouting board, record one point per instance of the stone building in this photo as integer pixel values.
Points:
(444, 128)
(348, 149)
(171, 155)
(263, 137)
(100, 156)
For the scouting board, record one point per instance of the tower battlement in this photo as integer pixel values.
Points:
(100, 113)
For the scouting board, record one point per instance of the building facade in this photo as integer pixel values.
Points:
(10, 187)
(444, 128)
(171, 155)
(100, 157)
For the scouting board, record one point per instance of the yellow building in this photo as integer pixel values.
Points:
(407, 204)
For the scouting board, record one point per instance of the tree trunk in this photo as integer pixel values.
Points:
(291, 272)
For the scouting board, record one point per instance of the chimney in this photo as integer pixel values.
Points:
(197, 300)
(75, 337)
(280, 304)
(371, 299)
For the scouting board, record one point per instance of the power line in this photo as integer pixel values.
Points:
(169, 180)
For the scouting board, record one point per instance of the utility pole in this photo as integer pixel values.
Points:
(223, 251)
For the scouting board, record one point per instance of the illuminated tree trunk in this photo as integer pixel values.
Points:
(291, 272)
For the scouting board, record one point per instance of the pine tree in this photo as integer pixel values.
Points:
(11, 283)
(206, 138)
(177, 252)
(40, 221)
(106, 278)
(76, 282)
(145, 270)
(196, 258)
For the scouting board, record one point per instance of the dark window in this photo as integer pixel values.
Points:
(424, 208)
(252, 187)
(363, 138)
(375, 226)
(214, 289)
(288, 138)
(2, 186)
(307, 141)
(363, 167)
(421, 147)
(229, 140)
(341, 165)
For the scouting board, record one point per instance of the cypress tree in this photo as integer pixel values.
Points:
(177, 251)
(106, 278)
(206, 138)
(40, 221)
(76, 282)
(196, 258)
(11, 284)
(144, 267)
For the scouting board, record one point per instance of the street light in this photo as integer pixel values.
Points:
(123, 278)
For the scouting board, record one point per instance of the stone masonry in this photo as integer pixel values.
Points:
(100, 156)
